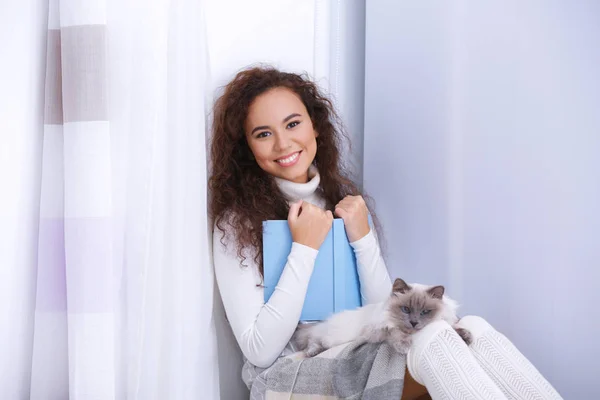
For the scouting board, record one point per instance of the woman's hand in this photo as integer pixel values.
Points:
(353, 210)
(309, 224)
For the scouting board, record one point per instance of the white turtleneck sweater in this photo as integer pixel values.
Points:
(264, 329)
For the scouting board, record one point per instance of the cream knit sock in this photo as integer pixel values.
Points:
(507, 367)
(440, 360)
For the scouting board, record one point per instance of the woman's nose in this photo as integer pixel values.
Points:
(282, 142)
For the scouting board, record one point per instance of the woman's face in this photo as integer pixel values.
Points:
(280, 134)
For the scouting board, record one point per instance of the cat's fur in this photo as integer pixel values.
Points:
(393, 320)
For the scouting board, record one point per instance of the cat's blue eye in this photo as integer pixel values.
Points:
(425, 312)
(405, 310)
(293, 124)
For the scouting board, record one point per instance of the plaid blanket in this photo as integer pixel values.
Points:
(351, 371)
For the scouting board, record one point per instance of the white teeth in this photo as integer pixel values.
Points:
(288, 159)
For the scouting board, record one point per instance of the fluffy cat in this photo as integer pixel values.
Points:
(408, 309)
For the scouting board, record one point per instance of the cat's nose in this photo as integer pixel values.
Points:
(413, 323)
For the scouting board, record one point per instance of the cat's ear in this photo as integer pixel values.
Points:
(400, 286)
(437, 292)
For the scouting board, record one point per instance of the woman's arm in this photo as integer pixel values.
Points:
(375, 283)
(262, 329)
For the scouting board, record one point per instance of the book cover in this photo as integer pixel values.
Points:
(334, 285)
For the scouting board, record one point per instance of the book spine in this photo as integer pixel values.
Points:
(339, 287)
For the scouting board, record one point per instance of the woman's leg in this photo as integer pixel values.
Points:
(440, 360)
(507, 367)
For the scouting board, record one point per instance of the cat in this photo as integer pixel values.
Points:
(408, 309)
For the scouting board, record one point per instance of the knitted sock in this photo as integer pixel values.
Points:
(507, 367)
(441, 361)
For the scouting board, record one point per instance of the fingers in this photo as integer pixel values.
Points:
(294, 211)
(310, 209)
(340, 212)
(329, 215)
(317, 211)
(349, 205)
(352, 201)
(306, 209)
(353, 210)
(309, 224)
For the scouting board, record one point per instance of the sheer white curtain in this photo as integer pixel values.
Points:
(23, 43)
(122, 289)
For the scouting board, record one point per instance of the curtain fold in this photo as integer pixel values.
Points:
(124, 282)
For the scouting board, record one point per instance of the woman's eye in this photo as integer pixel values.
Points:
(405, 310)
(425, 312)
(293, 124)
(263, 134)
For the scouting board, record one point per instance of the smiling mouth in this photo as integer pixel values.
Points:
(290, 160)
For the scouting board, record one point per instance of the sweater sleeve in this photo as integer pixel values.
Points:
(261, 329)
(375, 283)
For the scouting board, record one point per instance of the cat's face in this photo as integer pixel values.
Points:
(411, 309)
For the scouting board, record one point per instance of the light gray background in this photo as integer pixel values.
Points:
(482, 150)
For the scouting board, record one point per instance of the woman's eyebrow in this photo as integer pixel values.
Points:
(258, 128)
(291, 116)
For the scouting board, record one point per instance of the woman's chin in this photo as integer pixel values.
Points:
(294, 173)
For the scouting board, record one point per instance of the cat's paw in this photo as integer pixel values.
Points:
(464, 334)
(361, 340)
(403, 346)
(400, 342)
(313, 349)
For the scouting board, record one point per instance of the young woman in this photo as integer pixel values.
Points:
(276, 155)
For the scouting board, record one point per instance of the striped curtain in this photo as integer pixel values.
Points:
(75, 308)
(124, 281)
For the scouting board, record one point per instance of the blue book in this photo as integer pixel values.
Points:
(334, 284)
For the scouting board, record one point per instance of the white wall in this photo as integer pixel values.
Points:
(481, 150)
(324, 38)
(347, 74)
(240, 33)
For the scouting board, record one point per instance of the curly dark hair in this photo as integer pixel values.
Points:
(242, 194)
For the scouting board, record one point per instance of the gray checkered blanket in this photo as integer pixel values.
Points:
(352, 371)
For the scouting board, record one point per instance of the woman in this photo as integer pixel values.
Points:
(276, 155)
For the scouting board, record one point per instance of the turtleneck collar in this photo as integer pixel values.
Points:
(296, 191)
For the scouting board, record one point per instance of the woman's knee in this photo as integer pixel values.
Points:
(476, 325)
(431, 330)
(421, 341)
